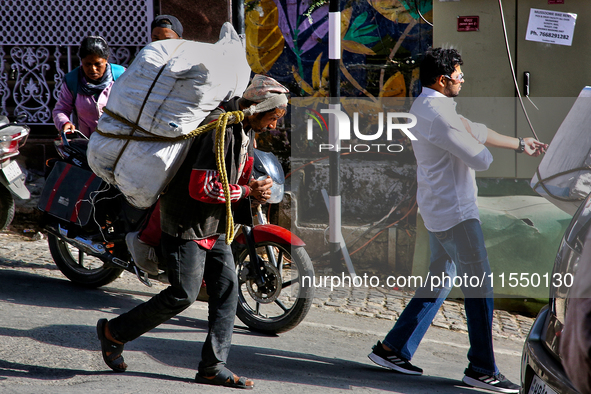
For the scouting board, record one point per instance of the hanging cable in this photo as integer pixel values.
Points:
(418, 9)
(513, 71)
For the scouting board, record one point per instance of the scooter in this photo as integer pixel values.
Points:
(12, 180)
(87, 220)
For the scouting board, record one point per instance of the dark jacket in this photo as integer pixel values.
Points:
(193, 205)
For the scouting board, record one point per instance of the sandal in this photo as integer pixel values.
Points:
(226, 378)
(114, 360)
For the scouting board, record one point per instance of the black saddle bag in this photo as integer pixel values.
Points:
(68, 193)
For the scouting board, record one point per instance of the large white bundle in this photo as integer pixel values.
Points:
(175, 84)
(565, 169)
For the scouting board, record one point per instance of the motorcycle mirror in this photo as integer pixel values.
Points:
(22, 118)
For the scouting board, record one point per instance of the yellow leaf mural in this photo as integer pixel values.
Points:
(264, 40)
(392, 9)
(305, 86)
(319, 80)
(394, 86)
(356, 47)
(345, 20)
(316, 73)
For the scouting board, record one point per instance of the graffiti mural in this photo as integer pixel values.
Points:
(381, 41)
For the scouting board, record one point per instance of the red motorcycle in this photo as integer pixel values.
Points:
(87, 220)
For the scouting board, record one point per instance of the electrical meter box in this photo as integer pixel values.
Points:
(549, 48)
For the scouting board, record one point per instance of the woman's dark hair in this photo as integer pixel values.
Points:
(94, 45)
(439, 61)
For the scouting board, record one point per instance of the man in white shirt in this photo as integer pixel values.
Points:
(449, 149)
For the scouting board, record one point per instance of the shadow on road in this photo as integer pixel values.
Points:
(262, 363)
(9, 369)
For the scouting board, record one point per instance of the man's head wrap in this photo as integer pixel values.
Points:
(174, 25)
(267, 93)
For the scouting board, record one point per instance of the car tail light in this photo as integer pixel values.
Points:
(551, 335)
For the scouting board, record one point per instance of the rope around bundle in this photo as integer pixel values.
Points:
(220, 125)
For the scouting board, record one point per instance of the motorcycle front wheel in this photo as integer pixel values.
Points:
(289, 303)
(79, 267)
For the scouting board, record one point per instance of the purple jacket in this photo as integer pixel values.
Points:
(89, 110)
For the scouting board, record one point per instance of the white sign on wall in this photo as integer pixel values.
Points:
(551, 27)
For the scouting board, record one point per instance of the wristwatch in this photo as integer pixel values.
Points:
(521, 148)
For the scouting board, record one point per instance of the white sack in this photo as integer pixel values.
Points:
(570, 149)
(196, 79)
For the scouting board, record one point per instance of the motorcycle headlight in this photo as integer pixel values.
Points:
(277, 191)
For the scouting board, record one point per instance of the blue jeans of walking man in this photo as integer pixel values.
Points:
(458, 251)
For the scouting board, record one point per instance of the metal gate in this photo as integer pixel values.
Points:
(39, 41)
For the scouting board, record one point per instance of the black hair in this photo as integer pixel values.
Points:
(439, 61)
(94, 45)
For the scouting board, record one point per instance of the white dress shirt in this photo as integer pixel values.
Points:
(447, 156)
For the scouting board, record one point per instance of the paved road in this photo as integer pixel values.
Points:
(49, 343)
(364, 301)
(22, 251)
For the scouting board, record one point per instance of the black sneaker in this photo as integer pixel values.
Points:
(498, 382)
(392, 360)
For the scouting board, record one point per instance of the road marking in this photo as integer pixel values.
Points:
(294, 358)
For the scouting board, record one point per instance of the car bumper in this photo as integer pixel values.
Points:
(537, 360)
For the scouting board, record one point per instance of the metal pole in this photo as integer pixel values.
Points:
(334, 191)
(238, 16)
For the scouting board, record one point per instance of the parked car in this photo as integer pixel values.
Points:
(541, 367)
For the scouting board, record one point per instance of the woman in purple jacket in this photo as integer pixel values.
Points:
(86, 89)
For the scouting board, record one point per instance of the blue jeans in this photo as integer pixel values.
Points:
(188, 263)
(458, 251)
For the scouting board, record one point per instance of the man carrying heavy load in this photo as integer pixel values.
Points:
(193, 222)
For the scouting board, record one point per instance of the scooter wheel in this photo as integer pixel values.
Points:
(7, 208)
(80, 268)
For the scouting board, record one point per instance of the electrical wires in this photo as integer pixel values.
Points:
(418, 9)
(513, 70)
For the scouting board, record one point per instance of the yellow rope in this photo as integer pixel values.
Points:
(220, 134)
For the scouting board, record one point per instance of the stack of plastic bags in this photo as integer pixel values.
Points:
(168, 90)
